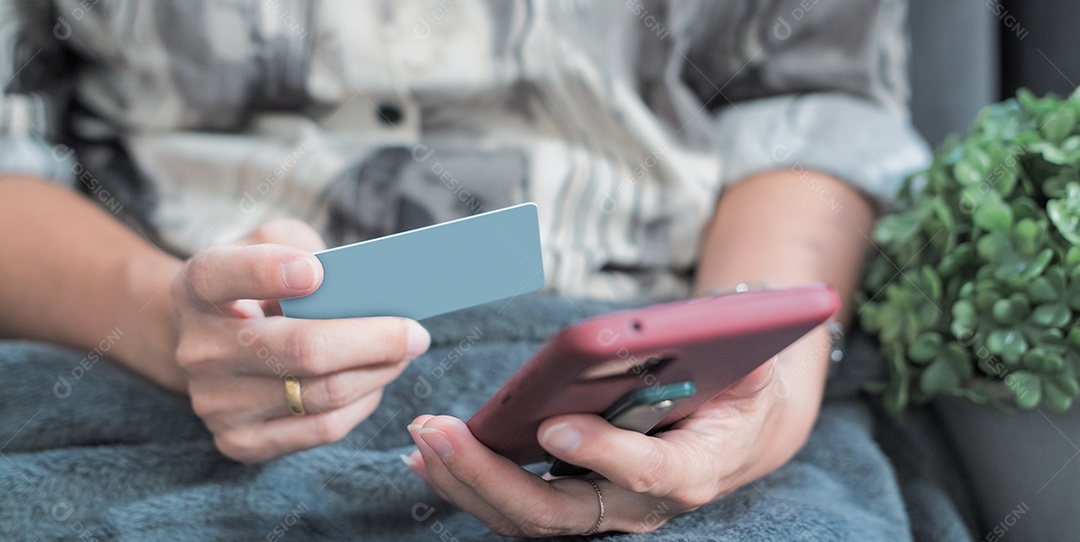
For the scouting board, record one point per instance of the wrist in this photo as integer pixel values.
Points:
(147, 310)
(798, 388)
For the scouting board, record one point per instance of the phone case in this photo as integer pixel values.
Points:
(586, 367)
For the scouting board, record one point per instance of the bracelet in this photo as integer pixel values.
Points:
(836, 345)
(835, 329)
(742, 287)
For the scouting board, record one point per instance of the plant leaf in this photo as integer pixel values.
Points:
(1064, 213)
(1027, 388)
(926, 347)
(938, 377)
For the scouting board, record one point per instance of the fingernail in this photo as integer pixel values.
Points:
(438, 442)
(561, 438)
(409, 462)
(769, 376)
(299, 274)
(419, 340)
(412, 427)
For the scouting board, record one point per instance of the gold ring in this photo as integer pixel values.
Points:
(294, 396)
(600, 518)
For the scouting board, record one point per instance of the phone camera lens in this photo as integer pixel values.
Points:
(662, 406)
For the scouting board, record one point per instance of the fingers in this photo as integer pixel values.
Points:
(236, 352)
(447, 485)
(228, 403)
(513, 502)
(236, 382)
(507, 498)
(286, 232)
(221, 275)
(331, 392)
(631, 460)
(415, 461)
(282, 436)
(308, 348)
(752, 384)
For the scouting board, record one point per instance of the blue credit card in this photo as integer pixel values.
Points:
(429, 271)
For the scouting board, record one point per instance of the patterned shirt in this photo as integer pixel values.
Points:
(198, 120)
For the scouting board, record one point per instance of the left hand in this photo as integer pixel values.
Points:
(750, 430)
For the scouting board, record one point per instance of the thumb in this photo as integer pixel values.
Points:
(753, 383)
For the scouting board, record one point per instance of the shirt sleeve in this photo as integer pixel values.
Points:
(33, 92)
(810, 85)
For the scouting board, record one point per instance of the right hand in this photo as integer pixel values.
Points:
(236, 349)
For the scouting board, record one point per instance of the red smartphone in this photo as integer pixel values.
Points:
(598, 363)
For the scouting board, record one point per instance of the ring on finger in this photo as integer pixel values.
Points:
(294, 396)
(599, 519)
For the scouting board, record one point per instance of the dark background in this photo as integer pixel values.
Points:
(964, 56)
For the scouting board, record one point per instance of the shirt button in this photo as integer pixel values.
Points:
(389, 113)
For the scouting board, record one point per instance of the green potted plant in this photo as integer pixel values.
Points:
(974, 291)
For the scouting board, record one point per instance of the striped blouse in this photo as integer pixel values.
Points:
(197, 120)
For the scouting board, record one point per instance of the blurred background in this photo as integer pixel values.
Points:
(1023, 469)
(967, 54)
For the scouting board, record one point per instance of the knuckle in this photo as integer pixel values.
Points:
(542, 520)
(195, 353)
(504, 527)
(541, 529)
(336, 391)
(690, 499)
(398, 341)
(179, 289)
(263, 274)
(328, 428)
(203, 406)
(187, 358)
(236, 447)
(195, 276)
(647, 480)
(304, 348)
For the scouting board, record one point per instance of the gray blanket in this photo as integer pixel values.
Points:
(102, 455)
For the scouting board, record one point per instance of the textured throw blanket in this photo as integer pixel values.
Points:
(90, 452)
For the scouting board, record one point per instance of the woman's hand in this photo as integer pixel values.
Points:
(236, 349)
(749, 431)
(795, 237)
